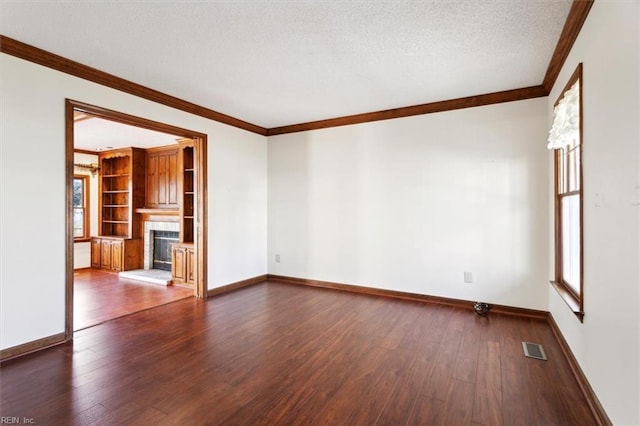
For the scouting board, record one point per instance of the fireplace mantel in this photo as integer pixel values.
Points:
(158, 215)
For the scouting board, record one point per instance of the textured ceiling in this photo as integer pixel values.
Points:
(275, 63)
(96, 134)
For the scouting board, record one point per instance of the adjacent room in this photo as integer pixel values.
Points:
(361, 212)
(133, 209)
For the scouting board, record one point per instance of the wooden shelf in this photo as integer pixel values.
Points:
(115, 205)
(115, 221)
(158, 212)
(116, 176)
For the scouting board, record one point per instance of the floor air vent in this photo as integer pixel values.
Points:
(534, 350)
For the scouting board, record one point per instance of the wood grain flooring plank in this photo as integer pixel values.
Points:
(363, 377)
(426, 411)
(511, 339)
(402, 323)
(131, 414)
(391, 372)
(444, 363)
(301, 367)
(403, 397)
(466, 363)
(325, 383)
(487, 407)
(458, 407)
(89, 416)
(517, 394)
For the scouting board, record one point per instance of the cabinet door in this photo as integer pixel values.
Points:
(105, 250)
(162, 179)
(117, 252)
(105, 261)
(178, 267)
(152, 180)
(167, 178)
(96, 249)
(172, 178)
(189, 263)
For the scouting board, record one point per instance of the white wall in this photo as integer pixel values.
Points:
(82, 251)
(32, 185)
(411, 204)
(607, 344)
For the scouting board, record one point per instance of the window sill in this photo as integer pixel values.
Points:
(569, 299)
(81, 240)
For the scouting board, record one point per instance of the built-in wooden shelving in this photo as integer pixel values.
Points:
(122, 190)
(186, 185)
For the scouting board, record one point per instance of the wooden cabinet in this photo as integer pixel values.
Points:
(115, 254)
(162, 178)
(96, 252)
(182, 264)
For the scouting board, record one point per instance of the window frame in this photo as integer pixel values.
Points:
(573, 299)
(86, 235)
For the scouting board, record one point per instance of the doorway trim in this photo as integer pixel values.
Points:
(200, 148)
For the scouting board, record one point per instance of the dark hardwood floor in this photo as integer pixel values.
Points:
(100, 296)
(280, 354)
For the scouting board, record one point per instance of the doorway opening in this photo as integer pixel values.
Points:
(136, 214)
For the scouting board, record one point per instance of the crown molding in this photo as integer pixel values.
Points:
(50, 60)
(449, 105)
(572, 26)
(85, 151)
(575, 19)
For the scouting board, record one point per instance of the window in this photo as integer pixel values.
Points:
(80, 207)
(565, 138)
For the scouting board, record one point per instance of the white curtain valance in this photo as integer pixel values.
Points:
(566, 119)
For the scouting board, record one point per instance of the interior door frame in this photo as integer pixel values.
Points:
(200, 151)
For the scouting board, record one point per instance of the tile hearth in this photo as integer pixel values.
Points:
(154, 276)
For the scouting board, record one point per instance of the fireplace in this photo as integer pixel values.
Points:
(161, 253)
(151, 228)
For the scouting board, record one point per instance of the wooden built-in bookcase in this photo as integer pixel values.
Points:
(122, 191)
(183, 253)
(121, 188)
(186, 189)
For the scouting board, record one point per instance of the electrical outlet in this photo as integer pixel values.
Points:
(277, 258)
(468, 277)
